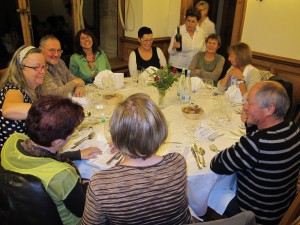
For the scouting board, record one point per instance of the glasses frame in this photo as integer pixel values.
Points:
(53, 51)
(37, 68)
(144, 41)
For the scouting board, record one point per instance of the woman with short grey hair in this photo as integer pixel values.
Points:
(144, 187)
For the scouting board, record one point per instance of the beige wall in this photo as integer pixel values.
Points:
(162, 16)
(272, 27)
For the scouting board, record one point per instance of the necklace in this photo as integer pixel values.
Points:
(92, 66)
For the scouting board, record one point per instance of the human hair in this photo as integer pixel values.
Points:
(138, 127)
(144, 30)
(202, 3)
(192, 12)
(243, 53)
(272, 93)
(47, 37)
(78, 49)
(14, 74)
(51, 118)
(214, 37)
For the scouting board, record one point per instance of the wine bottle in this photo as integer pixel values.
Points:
(181, 84)
(187, 89)
(178, 38)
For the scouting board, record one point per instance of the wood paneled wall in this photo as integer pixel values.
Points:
(288, 69)
(129, 44)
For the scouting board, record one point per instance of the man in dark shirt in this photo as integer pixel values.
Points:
(266, 160)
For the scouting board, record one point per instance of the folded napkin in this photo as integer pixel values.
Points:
(197, 83)
(145, 74)
(116, 78)
(234, 95)
(81, 101)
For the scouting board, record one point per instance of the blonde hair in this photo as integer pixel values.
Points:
(138, 127)
(14, 74)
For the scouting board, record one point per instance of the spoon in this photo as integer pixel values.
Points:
(214, 138)
(202, 152)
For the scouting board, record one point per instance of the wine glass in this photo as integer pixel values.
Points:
(135, 77)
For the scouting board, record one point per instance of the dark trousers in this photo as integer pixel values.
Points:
(232, 208)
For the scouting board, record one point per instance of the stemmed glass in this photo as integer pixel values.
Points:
(135, 77)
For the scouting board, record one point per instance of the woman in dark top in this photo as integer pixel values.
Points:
(145, 55)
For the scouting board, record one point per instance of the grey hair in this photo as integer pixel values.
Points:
(272, 93)
(138, 127)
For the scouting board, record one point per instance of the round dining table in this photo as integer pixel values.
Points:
(221, 119)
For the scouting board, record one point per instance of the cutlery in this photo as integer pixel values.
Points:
(234, 138)
(115, 156)
(214, 148)
(117, 163)
(90, 136)
(214, 138)
(196, 158)
(202, 152)
(172, 142)
(197, 151)
(236, 134)
(242, 132)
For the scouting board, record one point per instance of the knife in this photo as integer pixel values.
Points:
(195, 156)
(115, 156)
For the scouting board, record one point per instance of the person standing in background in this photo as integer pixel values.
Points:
(87, 61)
(145, 55)
(193, 41)
(205, 23)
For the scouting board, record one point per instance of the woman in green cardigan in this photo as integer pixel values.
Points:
(87, 61)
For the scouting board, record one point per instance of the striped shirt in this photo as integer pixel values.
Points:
(267, 164)
(139, 195)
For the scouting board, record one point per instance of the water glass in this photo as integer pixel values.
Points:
(209, 84)
(135, 77)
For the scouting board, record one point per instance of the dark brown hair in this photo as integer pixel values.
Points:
(51, 118)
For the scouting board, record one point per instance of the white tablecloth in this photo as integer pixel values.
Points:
(204, 186)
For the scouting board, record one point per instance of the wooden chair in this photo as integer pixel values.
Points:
(292, 215)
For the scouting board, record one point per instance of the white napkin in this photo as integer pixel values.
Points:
(234, 95)
(118, 77)
(197, 83)
(145, 74)
(81, 101)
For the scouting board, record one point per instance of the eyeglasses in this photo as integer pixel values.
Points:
(38, 68)
(147, 40)
(53, 51)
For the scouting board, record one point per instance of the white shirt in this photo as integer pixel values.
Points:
(190, 46)
(208, 26)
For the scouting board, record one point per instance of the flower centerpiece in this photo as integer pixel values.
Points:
(163, 79)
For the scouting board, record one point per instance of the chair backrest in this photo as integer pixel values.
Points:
(292, 213)
(24, 200)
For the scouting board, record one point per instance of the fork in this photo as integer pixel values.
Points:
(90, 136)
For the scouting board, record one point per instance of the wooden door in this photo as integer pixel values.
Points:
(26, 22)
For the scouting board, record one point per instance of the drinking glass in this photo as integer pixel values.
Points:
(209, 84)
(135, 77)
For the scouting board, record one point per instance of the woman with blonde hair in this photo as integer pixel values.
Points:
(20, 86)
(241, 74)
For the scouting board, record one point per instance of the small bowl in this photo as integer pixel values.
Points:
(192, 115)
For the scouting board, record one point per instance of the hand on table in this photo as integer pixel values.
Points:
(79, 92)
(90, 153)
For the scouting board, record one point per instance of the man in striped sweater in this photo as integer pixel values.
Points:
(266, 161)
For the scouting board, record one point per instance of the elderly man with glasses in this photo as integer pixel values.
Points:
(59, 80)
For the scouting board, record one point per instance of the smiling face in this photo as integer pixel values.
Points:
(232, 58)
(191, 23)
(34, 76)
(212, 45)
(86, 41)
(255, 114)
(146, 41)
(52, 51)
